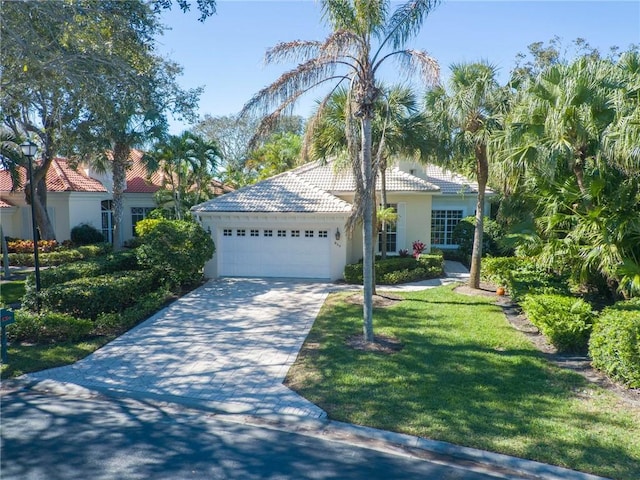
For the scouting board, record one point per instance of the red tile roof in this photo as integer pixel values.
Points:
(60, 178)
(138, 180)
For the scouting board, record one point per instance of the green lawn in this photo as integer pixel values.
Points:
(464, 376)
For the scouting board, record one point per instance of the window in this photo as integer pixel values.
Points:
(268, 233)
(255, 233)
(106, 207)
(392, 233)
(282, 233)
(137, 214)
(295, 233)
(323, 233)
(227, 232)
(308, 233)
(241, 232)
(442, 224)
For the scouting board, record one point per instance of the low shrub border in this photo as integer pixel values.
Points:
(614, 346)
(394, 270)
(60, 257)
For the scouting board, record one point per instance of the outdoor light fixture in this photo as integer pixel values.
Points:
(337, 234)
(29, 150)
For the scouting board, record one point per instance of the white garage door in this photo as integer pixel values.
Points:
(274, 252)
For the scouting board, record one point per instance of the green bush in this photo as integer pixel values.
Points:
(176, 249)
(394, 270)
(522, 276)
(113, 262)
(615, 343)
(85, 234)
(60, 257)
(116, 323)
(47, 327)
(464, 231)
(89, 297)
(565, 321)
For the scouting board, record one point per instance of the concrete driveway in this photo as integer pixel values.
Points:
(226, 346)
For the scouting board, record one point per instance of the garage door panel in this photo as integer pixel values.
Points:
(274, 256)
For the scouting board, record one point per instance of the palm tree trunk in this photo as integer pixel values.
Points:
(367, 232)
(120, 156)
(476, 255)
(383, 202)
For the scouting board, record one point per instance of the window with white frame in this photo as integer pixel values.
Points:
(442, 224)
(308, 233)
(254, 232)
(137, 214)
(323, 233)
(241, 232)
(282, 233)
(295, 233)
(227, 232)
(392, 233)
(268, 233)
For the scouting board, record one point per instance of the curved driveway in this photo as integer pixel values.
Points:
(227, 345)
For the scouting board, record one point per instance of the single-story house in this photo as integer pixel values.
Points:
(83, 195)
(293, 224)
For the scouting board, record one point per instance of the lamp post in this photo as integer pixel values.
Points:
(29, 150)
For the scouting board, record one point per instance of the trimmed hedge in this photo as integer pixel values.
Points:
(615, 343)
(85, 234)
(48, 327)
(565, 321)
(89, 297)
(110, 263)
(394, 270)
(59, 257)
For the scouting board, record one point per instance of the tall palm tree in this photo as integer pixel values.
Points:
(397, 130)
(364, 36)
(466, 112)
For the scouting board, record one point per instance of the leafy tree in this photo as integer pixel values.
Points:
(364, 36)
(187, 163)
(467, 115)
(278, 155)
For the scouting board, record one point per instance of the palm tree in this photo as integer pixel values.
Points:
(364, 36)
(465, 115)
(187, 162)
(397, 130)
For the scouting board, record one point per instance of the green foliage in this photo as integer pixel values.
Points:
(85, 234)
(615, 343)
(110, 263)
(89, 297)
(565, 321)
(47, 327)
(51, 259)
(463, 234)
(175, 249)
(394, 270)
(118, 322)
(523, 275)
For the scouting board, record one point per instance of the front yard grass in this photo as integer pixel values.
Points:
(465, 376)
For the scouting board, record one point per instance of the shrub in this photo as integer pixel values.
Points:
(566, 321)
(418, 248)
(48, 327)
(464, 231)
(114, 262)
(176, 249)
(51, 259)
(85, 234)
(89, 297)
(26, 246)
(395, 270)
(116, 323)
(615, 343)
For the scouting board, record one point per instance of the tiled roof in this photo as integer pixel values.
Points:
(286, 192)
(450, 182)
(60, 178)
(138, 180)
(326, 177)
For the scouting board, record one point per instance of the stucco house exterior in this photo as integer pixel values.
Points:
(292, 225)
(83, 195)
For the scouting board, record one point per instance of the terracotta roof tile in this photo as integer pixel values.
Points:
(60, 178)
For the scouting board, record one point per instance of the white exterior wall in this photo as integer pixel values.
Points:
(143, 200)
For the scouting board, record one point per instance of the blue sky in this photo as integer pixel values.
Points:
(225, 53)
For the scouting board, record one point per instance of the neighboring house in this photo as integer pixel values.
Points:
(83, 195)
(293, 224)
